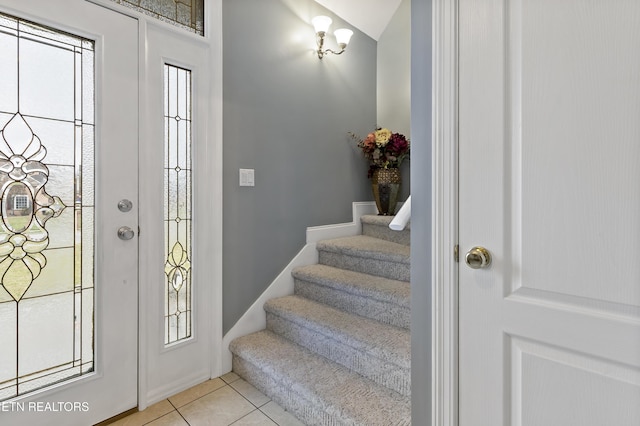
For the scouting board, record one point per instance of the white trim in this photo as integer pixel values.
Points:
(445, 138)
(255, 318)
(213, 32)
(143, 303)
(359, 209)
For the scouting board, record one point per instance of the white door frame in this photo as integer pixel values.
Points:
(444, 391)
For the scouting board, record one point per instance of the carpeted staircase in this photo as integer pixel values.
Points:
(337, 352)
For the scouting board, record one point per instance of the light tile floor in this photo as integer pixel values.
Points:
(227, 400)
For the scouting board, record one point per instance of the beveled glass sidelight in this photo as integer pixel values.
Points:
(177, 203)
(46, 206)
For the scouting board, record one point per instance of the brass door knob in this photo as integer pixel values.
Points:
(478, 258)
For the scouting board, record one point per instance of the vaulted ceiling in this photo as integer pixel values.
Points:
(369, 16)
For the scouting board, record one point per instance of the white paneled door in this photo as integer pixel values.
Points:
(549, 153)
(68, 162)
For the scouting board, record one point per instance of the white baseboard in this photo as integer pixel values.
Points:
(255, 318)
(325, 232)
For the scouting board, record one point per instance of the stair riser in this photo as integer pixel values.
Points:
(309, 412)
(381, 268)
(368, 365)
(385, 233)
(385, 312)
(315, 389)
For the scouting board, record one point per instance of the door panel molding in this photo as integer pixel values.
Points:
(576, 303)
(540, 372)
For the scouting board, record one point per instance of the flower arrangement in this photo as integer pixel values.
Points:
(383, 149)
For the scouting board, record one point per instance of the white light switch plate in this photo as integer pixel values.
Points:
(247, 177)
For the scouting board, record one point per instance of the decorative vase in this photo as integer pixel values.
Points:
(385, 184)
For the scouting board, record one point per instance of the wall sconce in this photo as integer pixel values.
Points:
(321, 25)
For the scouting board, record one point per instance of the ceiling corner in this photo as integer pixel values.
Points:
(369, 16)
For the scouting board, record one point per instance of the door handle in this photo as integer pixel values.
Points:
(478, 258)
(126, 233)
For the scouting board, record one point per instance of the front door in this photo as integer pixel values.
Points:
(549, 146)
(69, 195)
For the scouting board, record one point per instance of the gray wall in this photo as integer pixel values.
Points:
(394, 72)
(421, 211)
(394, 80)
(286, 115)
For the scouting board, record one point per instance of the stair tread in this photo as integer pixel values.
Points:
(337, 390)
(357, 283)
(366, 246)
(393, 344)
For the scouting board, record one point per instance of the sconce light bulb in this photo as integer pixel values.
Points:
(321, 23)
(343, 35)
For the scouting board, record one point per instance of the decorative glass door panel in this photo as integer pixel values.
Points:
(46, 206)
(177, 205)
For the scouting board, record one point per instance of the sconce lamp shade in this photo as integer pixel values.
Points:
(343, 36)
(321, 23)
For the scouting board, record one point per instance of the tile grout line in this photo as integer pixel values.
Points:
(165, 414)
(178, 411)
(256, 407)
(227, 382)
(260, 408)
(267, 416)
(250, 412)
